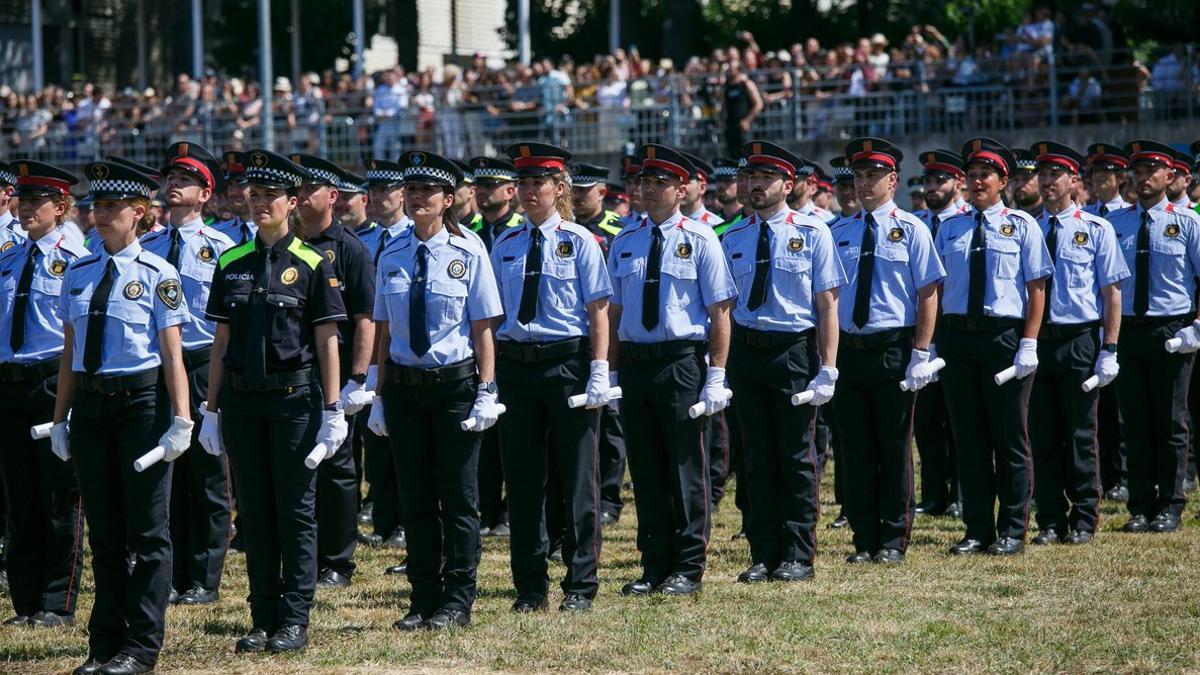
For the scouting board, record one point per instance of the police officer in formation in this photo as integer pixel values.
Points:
(241, 227)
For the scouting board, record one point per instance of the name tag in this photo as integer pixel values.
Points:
(735, 256)
(627, 254)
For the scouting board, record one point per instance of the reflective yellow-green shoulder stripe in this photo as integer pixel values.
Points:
(608, 223)
(240, 251)
(476, 223)
(305, 252)
(515, 220)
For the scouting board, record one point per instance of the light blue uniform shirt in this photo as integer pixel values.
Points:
(927, 215)
(824, 215)
(1086, 259)
(381, 238)
(236, 230)
(573, 275)
(11, 232)
(633, 218)
(43, 329)
(461, 288)
(200, 247)
(803, 263)
(1116, 204)
(694, 276)
(904, 263)
(146, 298)
(1015, 253)
(1174, 257)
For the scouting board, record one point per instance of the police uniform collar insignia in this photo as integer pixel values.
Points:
(289, 276)
(170, 293)
(1172, 230)
(134, 290)
(58, 267)
(896, 234)
(1007, 230)
(564, 249)
(684, 250)
(795, 244)
(457, 269)
(1080, 238)
(330, 255)
(205, 254)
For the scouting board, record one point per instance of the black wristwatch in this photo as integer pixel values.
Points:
(336, 406)
(359, 378)
(1110, 347)
(487, 387)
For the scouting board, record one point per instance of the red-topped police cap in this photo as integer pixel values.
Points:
(659, 161)
(616, 192)
(868, 151)
(537, 159)
(940, 160)
(1153, 152)
(1049, 152)
(766, 156)
(1183, 161)
(1107, 156)
(235, 165)
(988, 151)
(194, 158)
(630, 166)
(38, 179)
(703, 170)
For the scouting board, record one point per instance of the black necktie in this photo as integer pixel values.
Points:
(257, 334)
(978, 270)
(383, 242)
(173, 252)
(533, 278)
(933, 227)
(866, 274)
(762, 267)
(1052, 246)
(653, 273)
(247, 235)
(97, 312)
(418, 328)
(16, 338)
(1141, 293)
(1103, 210)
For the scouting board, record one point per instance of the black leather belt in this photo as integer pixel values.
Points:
(197, 358)
(1154, 321)
(532, 352)
(114, 384)
(767, 339)
(657, 351)
(29, 372)
(873, 340)
(273, 382)
(984, 323)
(1057, 331)
(423, 377)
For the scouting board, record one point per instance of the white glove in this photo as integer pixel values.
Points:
(1107, 367)
(375, 422)
(354, 397)
(1189, 338)
(1026, 359)
(210, 431)
(937, 374)
(177, 439)
(919, 373)
(486, 410)
(715, 395)
(333, 431)
(600, 381)
(59, 441)
(822, 385)
(372, 378)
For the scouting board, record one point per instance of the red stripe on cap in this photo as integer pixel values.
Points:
(197, 166)
(701, 175)
(669, 166)
(632, 168)
(825, 184)
(868, 156)
(41, 181)
(1182, 166)
(1061, 160)
(540, 163)
(947, 168)
(1153, 157)
(781, 164)
(1114, 159)
(989, 157)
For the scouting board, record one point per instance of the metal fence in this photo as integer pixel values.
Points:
(954, 96)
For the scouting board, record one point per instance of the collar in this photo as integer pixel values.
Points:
(124, 257)
(400, 225)
(1160, 206)
(51, 241)
(699, 215)
(335, 231)
(992, 211)
(366, 227)
(1183, 202)
(499, 222)
(191, 227)
(433, 243)
(1117, 202)
(549, 226)
(674, 221)
(949, 212)
(1069, 211)
(780, 217)
(883, 212)
(278, 247)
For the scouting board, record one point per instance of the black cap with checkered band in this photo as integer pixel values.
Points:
(111, 180)
(419, 166)
(271, 169)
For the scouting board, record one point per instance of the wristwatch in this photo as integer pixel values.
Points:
(486, 387)
(1110, 347)
(359, 378)
(336, 406)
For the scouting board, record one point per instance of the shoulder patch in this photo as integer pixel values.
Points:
(240, 251)
(170, 292)
(307, 254)
(507, 235)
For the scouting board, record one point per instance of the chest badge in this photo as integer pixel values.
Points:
(58, 267)
(565, 249)
(289, 276)
(1080, 238)
(205, 254)
(170, 293)
(684, 250)
(7, 245)
(1172, 230)
(1007, 230)
(134, 290)
(896, 234)
(330, 255)
(795, 244)
(457, 269)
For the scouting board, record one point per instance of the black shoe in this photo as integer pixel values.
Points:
(527, 603)
(367, 515)
(255, 641)
(838, 523)
(290, 638)
(954, 510)
(888, 555)
(1078, 537)
(677, 584)
(331, 578)
(124, 664)
(199, 595)
(1006, 546)
(397, 570)
(499, 530)
(643, 586)
(411, 621)
(754, 574)
(397, 539)
(18, 620)
(1137, 524)
(740, 534)
(1047, 536)
(608, 518)
(173, 597)
(235, 540)
(574, 602)
(931, 508)
(448, 618)
(1165, 522)
(372, 540)
(89, 667)
(859, 557)
(968, 546)
(1118, 493)
(792, 570)
(46, 619)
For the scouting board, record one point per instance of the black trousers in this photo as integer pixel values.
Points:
(201, 504)
(718, 439)
(127, 516)
(668, 463)
(337, 508)
(612, 459)
(45, 554)
(874, 422)
(437, 467)
(935, 443)
(539, 425)
(1194, 417)
(782, 478)
(379, 466)
(1153, 399)
(990, 431)
(1110, 435)
(493, 507)
(267, 436)
(1062, 419)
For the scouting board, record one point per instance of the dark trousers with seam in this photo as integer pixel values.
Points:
(337, 508)
(45, 547)
(612, 459)
(201, 504)
(387, 510)
(718, 438)
(668, 463)
(493, 506)
(267, 435)
(1062, 422)
(935, 443)
(782, 475)
(127, 516)
(990, 431)
(1111, 437)
(539, 424)
(874, 421)
(1153, 399)
(437, 467)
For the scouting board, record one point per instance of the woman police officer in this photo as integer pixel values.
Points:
(435, 300)
(122, 308)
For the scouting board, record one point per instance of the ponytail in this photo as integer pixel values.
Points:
(562, 203)
(448, 219)
(147, 222)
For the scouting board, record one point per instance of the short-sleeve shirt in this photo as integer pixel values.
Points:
(43, 328)
(1174, 257)
(355, 270)
(200, 247)
(1086, 259)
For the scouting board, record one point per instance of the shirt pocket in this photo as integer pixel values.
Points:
(447, 300)
(794, 278)
(1078, 263)
(893, 253)
(197, 279)
(137, 323)
(1168, 257)
(680, 280)
(561, 283)
(1003, 257)
(50, 287)
(628, 273)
